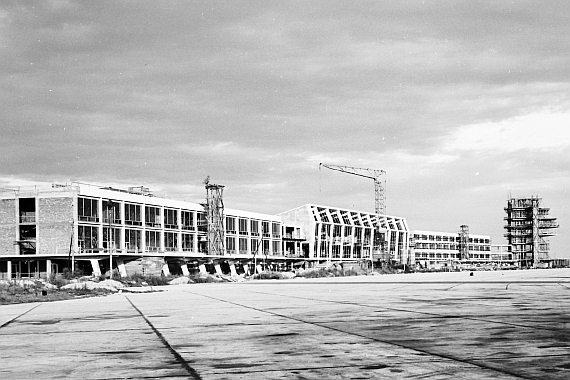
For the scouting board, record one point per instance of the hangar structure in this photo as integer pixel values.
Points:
(94, 228)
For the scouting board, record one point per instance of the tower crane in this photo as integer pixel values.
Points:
(379, 177)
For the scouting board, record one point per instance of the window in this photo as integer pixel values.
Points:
(230, 245)
(152, 241)
(88, 238)
(276, 230)
(266, 247)
(133, 214)
(187, 220)
(133, 240)
(242, 246)
(187, 242)
(265, 226)
(346, 252)
(336, 251)
(345, 218)
(334, 216)
(87, 209)
(170, 241)
(115, 242)
(170, 218)
(202, 222)
(323, 214)
(276, 247)
(254, 224)
(242, 226)
(230, 225)
(112, 210)
(152, 216)
(324, 250)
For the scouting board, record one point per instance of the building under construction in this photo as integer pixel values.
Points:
(93, 228)
(528, 226)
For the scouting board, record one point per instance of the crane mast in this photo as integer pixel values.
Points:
(379, 178)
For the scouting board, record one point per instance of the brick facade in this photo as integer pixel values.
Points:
(7, 226)
(55, 225)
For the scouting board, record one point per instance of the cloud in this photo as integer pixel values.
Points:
(537, 132)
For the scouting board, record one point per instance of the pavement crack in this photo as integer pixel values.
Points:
(195, 375)
(24, 313)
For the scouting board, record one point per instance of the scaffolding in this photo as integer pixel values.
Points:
(214, 208)
(463, 242)
(527, 225)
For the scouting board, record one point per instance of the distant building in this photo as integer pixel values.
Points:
(433, 249)
(528, 226)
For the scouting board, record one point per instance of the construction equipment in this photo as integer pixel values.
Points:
(214, 208)
(379, 177)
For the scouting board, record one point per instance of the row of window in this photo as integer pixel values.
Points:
(89, 240)
(88, 211)
(451, 247)
(433, 255)
(345, 217)
(450, 238)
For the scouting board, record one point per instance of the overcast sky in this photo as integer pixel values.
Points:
(462, 103)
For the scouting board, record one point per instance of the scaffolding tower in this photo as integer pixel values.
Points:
(463, 242)
(214, 208)
(528, 225)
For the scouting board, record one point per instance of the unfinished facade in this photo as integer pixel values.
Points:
(528, 226)
(335, 234)
(80, 226)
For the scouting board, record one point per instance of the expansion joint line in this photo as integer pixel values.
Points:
(443, 356)
(24, 313)
(175, 353)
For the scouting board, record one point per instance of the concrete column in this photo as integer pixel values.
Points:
(259, 268)
(246, 269)
(48, 268)
(9, 269)
(165, 269)
(202, 268)
(94, 266)
(218, 269)
(121, 267)
(185, 271)
(233, 269)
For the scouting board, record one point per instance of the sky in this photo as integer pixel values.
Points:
(462, 103)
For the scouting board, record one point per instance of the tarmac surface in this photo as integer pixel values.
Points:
(492, 325)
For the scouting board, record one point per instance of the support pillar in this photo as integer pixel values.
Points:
(121, 267)
(233, 269)
(48, 268)
(259, 268)
(165, 269)
(185, 271)
(218, 269)
(9, 269)
(202, 269)
(95, 267)
(246, 269)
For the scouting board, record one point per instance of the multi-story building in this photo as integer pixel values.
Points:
(88, 227)
(528, 225)
(432, 248)
(336, 234)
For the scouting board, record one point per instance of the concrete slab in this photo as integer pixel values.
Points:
(492, 325)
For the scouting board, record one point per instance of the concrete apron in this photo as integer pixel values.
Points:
(365, 327)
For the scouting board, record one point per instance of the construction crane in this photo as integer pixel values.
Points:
(379, 177)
